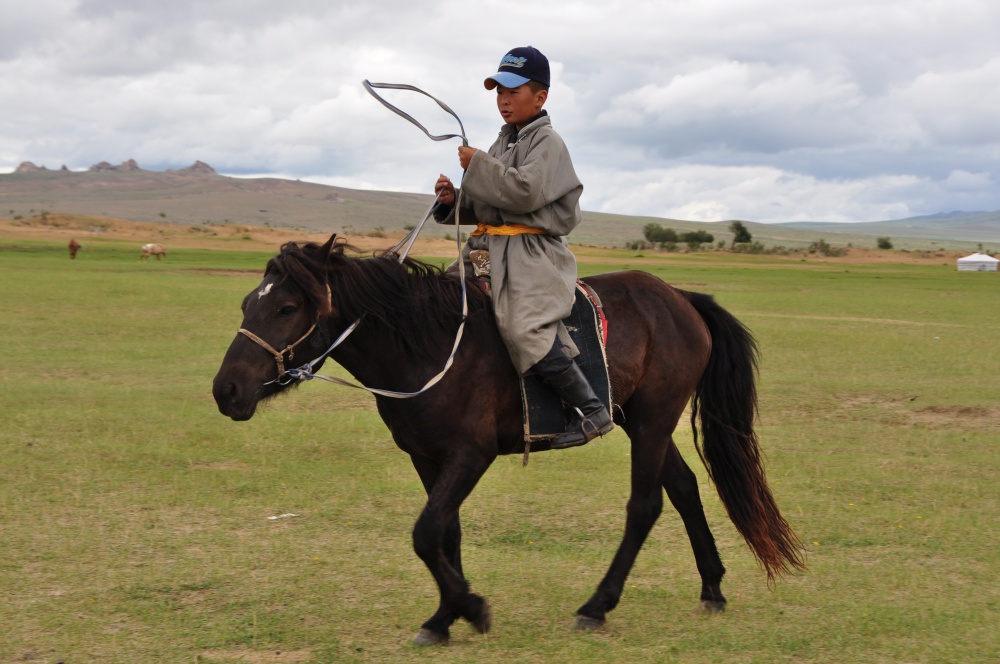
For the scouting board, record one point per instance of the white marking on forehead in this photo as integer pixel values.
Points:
(265, 290)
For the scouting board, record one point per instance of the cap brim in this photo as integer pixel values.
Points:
(506, 79)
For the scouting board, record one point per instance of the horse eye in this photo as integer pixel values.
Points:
(287, 310)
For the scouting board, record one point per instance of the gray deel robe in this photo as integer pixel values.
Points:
(527, 178)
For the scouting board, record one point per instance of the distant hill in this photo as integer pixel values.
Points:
(197, 195)
(961, 226)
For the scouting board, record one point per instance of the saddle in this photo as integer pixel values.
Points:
(544, 414)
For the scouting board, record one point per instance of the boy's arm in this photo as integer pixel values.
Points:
(545, 174)
(447, 195)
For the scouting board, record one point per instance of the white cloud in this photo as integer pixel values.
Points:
(847, 110)
(968, 182)
(713, 193)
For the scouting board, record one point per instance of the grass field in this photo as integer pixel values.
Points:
(134, 518)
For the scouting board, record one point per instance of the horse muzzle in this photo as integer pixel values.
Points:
(232, 400)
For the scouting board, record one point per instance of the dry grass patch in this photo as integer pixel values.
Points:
(905, 409)
(248, 656)
(89, 230)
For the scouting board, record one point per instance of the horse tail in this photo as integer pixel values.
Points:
(725, 401)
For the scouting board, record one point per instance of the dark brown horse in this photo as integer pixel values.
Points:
(666, 346)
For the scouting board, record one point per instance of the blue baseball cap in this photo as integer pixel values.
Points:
(522, 64)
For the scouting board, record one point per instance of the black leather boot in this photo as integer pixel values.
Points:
(564, 376)
(575, 390)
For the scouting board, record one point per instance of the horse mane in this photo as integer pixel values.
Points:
(419, 304)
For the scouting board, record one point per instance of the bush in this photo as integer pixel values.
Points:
(657, 234)
(823, 248)
(740, 233)
(884, 243)
(697, 237)
(749, 248)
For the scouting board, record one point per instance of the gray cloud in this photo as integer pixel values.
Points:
(761, 110)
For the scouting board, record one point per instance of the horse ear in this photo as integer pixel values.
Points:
(327, 248)
(326, 304)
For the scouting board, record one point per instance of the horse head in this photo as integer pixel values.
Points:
(284, 326)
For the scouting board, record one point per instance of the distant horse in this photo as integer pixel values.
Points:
(74, 247)
(665, 347)
(153, 250)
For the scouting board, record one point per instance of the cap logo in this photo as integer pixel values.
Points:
(513, 61)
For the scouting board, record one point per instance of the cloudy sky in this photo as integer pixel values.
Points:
(764, 110)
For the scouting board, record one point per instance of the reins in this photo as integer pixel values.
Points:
(402, 248)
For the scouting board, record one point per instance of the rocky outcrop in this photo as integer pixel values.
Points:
(197, 168)
(28, 167)
(103, 166)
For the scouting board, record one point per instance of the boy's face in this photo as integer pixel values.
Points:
(519, 105)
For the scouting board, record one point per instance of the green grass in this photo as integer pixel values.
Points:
(134, 517)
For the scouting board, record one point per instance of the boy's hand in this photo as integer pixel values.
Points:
(465, 156)
(445, 190)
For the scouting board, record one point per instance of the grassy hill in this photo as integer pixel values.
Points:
(192, 199)
(965, 226)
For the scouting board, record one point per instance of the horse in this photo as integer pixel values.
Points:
(74, 247)
(666, 347)
(153, 250)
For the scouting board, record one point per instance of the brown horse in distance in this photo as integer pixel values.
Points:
(666, 347)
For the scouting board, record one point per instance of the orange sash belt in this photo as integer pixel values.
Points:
(507, 229)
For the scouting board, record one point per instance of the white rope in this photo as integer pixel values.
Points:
(305, 372)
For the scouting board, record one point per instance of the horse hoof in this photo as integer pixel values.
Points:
(426, 637)
(713, 606)
(587, 624)
(483, 623)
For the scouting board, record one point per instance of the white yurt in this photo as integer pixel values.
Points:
(978, 263)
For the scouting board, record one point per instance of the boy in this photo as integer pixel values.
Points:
(524, 197)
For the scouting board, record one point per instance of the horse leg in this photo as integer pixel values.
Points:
(644, 507)
(682, 489)
(437, 541)
(452, 544)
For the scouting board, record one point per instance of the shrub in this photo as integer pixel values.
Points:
(823, 248)
(740, 233)
(697, 237)
(657, 234)
(749, 248)
(884, 243)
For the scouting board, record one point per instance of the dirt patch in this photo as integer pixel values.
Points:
(859, 319)
(932, 416)
(946, 415)
(254, 656)
(84, 229)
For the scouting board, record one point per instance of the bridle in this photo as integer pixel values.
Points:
(279, 356)
(305, 372)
